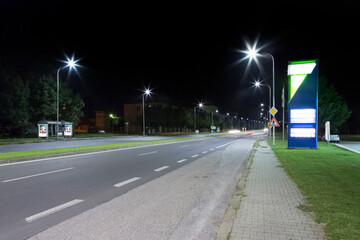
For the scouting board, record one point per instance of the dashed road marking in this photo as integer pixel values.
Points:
(52, 210)
(182, 160)
(127, 182)
(160, 169)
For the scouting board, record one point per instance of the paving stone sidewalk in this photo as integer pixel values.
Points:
(269, 206)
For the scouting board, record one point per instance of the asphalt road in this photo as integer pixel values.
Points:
(37, 195)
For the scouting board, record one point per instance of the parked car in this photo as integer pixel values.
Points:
(95, 130)
(334, 138)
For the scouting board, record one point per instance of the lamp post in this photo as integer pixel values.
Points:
(146, 93)
(258, 84)
(71, 64)
(252, 53)
(200, 105)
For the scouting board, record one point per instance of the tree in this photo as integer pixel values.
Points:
(332, 106)
(43, 99)
(14, 99)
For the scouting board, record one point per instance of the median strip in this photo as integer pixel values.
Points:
(54, 152)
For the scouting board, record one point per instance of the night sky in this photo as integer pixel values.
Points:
(185, 51)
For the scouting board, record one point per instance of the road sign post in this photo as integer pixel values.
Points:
(273, 111)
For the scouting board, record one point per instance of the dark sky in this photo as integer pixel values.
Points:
(182, 50)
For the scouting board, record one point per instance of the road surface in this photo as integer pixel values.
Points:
(41, 194)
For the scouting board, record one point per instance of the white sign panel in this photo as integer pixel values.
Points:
(327, 131)
(68, 130)
(43, 130)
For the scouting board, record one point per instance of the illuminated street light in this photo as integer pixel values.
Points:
(147, 92)
(200, 105)
(252, 53)
(258, 84)
(72, 64)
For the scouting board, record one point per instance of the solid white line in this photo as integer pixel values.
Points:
(53, 210)
(97, 152)
(227, 144)
(182, 160)
(160, 169)
(142, 154)
(195, 155)
(35, 175)
(184, 146)
(127, 182)
(204, 152)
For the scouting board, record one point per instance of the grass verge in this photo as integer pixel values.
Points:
(330, 180)
(59, 151)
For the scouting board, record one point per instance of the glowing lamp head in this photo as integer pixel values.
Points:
(71, 63)
(257, 84)
(252, 52)
(147, 91)
(201, 105)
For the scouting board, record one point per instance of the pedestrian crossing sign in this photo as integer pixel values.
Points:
(274, 123)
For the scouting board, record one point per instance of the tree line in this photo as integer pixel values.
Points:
(27, 99)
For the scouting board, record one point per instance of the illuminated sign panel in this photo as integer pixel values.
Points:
(303, 103)
(43, 130)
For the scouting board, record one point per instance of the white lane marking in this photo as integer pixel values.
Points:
(204, 152)
(227, 144)
(52, 210)
(160, 169)
(211, 149)
(195, 155)
(39, 174)
(142, 154)
(184, 146)
(127, 182)
(97, 152)
(182, 160)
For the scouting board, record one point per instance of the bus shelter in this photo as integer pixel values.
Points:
(48, 129)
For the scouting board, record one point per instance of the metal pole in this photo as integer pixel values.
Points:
(143, 107)
(269, 109)
(273, 91)
(283, 107)
(194, 119)
(57, 101)
(212, 118)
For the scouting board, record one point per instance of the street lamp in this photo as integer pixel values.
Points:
(72, 64)
(200, 105)
(252, 53)
(147, 92)
(258, 84)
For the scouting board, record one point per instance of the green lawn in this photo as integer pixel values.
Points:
(54, 151)
(330, 179)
